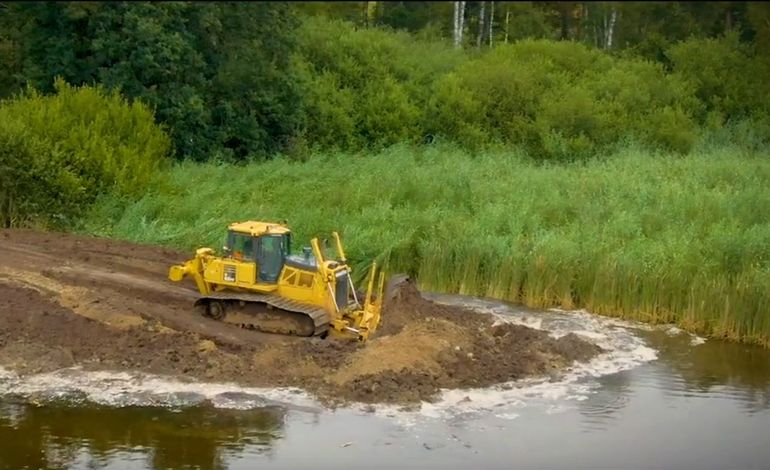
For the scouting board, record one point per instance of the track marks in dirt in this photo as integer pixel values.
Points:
(79, 300)
(105, 304)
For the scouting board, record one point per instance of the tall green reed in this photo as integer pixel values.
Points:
(637, 235)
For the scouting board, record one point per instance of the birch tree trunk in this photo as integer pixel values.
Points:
(611, 28)
(491, 21)
(481, 25)
(459, 23)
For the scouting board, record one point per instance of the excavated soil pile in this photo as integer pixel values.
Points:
(424, 347)
(101, 304)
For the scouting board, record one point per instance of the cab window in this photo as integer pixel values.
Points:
(241, 246)
(272, 253)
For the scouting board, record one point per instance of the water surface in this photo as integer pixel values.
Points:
(660, 398)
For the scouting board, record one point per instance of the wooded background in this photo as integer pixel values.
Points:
(564, 80)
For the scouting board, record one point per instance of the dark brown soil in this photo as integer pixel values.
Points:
(102, 304)
(481, 355)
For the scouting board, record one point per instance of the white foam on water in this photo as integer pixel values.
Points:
(610, 321)
(137, 389)
(624, 350)
(672, 330)
(552, 395)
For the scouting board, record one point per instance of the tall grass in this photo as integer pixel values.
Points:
(643, 236)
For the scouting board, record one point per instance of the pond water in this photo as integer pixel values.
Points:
(659, 398)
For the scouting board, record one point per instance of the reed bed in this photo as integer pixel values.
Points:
(637, 235)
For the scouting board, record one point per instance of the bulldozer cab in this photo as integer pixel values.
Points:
(268, 251)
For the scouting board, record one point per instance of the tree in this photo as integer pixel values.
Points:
(409, 16)
(459, 23)
(10, 57)
(491, 21)
(255, 97)
(528, 20)
(609, 28)
(481, 25)
(217, 74)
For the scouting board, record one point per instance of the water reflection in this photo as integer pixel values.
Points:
(602, 407)
(715, 368)
(55, 435)
(737, 373)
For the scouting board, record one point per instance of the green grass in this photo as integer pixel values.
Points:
(656, 238)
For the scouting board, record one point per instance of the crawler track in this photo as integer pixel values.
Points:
(266, 312)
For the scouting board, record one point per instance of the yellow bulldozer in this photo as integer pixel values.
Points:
(259, 284)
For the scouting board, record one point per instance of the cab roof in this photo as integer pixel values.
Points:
(256, 228)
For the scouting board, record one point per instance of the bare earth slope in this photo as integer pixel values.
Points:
(104, 304)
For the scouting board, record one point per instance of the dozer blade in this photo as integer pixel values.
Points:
(366, 320)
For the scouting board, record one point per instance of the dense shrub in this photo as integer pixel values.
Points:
(561, 100)
(216, 74)
(58, 152)
(369, 87)
(728, 77)
(556, 100)
(236, 82)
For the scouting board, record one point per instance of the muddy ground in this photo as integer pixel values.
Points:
(102, 304)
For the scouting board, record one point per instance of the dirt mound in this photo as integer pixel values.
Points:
(103, 304)
(430, 346)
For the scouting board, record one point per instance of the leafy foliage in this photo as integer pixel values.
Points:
(368, 87)
(727, 76)
(237, 81)
(216, 74)
(562, 101)
(58, 152)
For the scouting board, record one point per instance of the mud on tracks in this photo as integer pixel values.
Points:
(107, 305)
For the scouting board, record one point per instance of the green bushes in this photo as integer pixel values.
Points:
(244, 82)
(217, 75)
(366, 88)
(656, 238)
(562, 101)
(556, 100)
(729, 79)
(58, 152)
